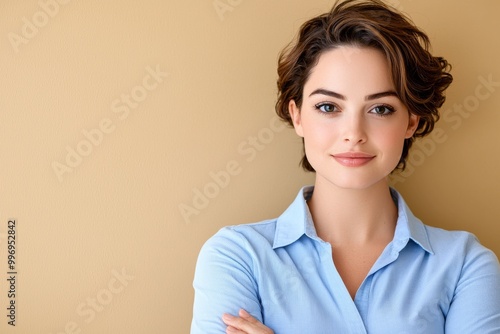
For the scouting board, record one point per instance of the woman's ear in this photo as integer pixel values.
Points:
(412, 125)
(296, 117)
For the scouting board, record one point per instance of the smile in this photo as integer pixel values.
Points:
(353, 159)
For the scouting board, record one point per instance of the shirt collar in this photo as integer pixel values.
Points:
(296, 221)
(408, 226)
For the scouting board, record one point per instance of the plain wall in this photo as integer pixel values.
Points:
(118, 117)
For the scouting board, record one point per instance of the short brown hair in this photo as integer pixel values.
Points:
(420, 79)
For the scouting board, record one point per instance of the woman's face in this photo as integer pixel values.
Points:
(351, 119)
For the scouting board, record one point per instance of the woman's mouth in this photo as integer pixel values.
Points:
(353, 159)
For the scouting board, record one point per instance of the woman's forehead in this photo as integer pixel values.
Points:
(349, 69)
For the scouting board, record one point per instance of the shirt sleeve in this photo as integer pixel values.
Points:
(475, 307)
(223, 282)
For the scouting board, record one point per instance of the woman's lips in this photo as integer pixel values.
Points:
(353, 159)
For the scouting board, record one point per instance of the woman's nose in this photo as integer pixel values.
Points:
(354, 130)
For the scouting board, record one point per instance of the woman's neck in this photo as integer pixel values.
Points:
(353, 216)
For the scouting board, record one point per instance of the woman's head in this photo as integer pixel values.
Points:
(419, 78)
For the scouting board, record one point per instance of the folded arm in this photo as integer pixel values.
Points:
(224, 283)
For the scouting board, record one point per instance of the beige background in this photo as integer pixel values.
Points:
(116, 212)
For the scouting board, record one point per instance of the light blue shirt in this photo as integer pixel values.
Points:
(427, 280)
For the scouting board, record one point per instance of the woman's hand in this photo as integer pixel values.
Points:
(244, 323)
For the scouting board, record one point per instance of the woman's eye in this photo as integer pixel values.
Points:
(326, 107)
(383, 110)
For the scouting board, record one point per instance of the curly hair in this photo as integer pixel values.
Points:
(420, 79)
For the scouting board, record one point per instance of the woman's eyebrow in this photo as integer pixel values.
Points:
(382, 94)
(327, 92)
(322, 91)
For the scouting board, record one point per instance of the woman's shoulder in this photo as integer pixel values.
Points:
(443, 237)
(248, 230)
(460, 244)
(243, 237)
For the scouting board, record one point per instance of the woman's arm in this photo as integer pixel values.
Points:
(475, 307)
(244, 323)
(224, 282)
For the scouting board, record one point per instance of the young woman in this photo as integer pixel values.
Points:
(348, 256)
